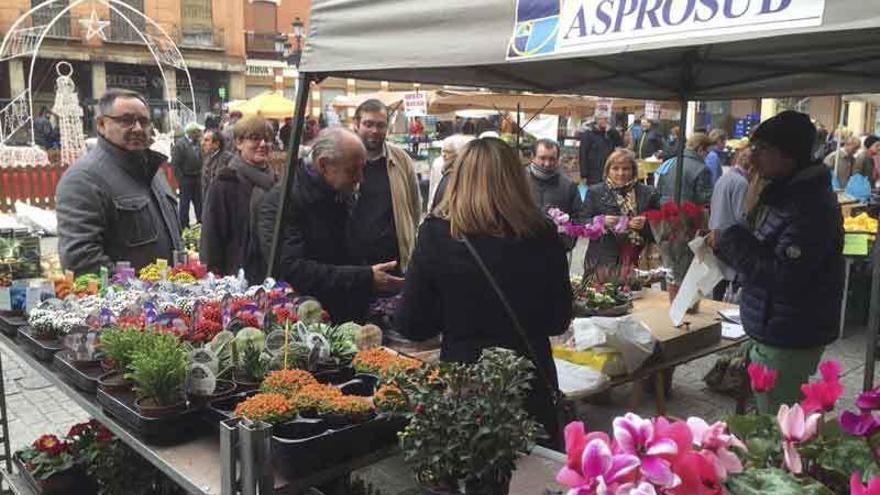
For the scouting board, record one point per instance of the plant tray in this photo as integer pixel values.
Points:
(305, 445)
(9, 324)
(43, 350)
(58, 484)
(84, 378)
(170, 430)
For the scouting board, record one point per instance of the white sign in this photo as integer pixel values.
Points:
(603, 108)
(547, 27)
(652, 110)
(415, 104)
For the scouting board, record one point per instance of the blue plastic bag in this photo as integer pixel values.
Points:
(859, 188)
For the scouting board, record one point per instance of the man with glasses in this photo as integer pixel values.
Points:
(552, 188)
(114, 204)
(186, 158)
(388, 209)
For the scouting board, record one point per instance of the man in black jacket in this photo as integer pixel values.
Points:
(186, 159)
(315, 256)
(551, 187)
(790, 260)
(650, 142)
(596, 144)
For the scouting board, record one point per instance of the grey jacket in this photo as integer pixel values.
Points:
(186, 158)
(113, 205)
(696, 184)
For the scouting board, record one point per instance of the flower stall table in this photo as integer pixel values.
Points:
(195, 465)
(697, 338)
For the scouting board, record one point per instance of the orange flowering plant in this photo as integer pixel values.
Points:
(287, 382)
(315, 398)
(268, 407)
(380, 362)
(351, 406)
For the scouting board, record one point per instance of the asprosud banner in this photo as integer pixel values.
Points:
(550, 27)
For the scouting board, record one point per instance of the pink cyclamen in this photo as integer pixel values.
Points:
(795, 429)
(762, 378)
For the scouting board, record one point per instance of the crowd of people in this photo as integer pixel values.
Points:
(483, 257)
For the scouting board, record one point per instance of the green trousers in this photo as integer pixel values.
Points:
(794, 365)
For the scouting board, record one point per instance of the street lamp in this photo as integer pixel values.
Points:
(296, 52)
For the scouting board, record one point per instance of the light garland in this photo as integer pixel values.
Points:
(70, 115)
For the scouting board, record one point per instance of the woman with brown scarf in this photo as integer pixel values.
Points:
(620, 198)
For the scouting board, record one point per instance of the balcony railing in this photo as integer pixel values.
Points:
(191, 37)
(261, 45)
(61, 28)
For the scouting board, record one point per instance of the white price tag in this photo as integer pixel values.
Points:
(202, 380)
(5, 299)
(32, 297)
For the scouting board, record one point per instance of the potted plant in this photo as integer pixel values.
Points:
(158, 369)
(250, 363)
(468, 425)
(349, 409)
(118, 345)
(268, 407)
(53, 467)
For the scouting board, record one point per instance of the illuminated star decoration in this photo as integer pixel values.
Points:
(94, 26)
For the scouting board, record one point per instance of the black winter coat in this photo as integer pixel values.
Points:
(791, 267)
(315, 258)
(595, 147)
(557, 192)
(649, 142)
(601, 201)
(446, 293)
(227, 243)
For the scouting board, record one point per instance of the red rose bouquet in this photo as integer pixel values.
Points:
(674, 226)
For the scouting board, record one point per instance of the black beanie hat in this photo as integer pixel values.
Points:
(870, 140)
(791, 132)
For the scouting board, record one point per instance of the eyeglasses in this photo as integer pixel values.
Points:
(259, 137)
(128, 120)
(758, 147)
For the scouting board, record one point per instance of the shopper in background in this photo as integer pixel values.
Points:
(227, 243)
(284, 133)
(729, 207)
(788, 259)
(446, 292)
(673, 141)
(442, 165)
(696, 184)
(868, 159)
(186, 160)
(620, 198)
(315, 256)
(552, 189)
(715, 157)
(215, 158)
(228, 138)
(388, 210)
(650, 141)
(597, 142)
(843, 161)
(115, 204)
(45, 134)
(416, 134)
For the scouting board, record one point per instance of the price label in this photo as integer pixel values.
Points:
(201, 381)
(206, 357)
(32, 297)
(5, 299)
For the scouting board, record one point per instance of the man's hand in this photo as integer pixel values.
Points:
(712, 239)
(636, 223)
(384, 282)
(611, 220)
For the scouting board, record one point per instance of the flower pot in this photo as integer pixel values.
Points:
(107, 364)
(244, 384)
(147, 407)
(223, 389)
(73, 480)
(672, 290)
(114, 383)
(84, 364)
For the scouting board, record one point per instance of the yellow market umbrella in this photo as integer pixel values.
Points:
(269, 105)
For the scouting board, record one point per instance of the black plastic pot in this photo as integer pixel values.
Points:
(43, 350)
(223, 389)
(168, 430)
(9, 324)
(73, 480)
(84, 378)
(334, 376)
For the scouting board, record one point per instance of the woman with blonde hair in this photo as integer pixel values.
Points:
(484, 229)
(620, 198)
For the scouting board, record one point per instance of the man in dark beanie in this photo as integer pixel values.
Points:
(789, 257)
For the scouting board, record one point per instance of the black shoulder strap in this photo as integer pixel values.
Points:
(542, 373)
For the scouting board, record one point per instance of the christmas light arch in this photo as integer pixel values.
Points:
(23, 40)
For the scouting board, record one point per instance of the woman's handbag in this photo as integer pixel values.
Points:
(564, 411)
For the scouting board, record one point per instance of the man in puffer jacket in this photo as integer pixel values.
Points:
(790, 260)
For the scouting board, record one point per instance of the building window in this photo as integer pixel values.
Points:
(122, 30)
(197, 23)
(42, 17)
(261, 36)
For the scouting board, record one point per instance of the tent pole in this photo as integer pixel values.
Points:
(518, 128)
(873, 321)
(299, 117)
(679, 160)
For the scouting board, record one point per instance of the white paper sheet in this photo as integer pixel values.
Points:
(701, 278)
(731, 330)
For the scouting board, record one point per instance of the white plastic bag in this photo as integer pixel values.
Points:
(701, 278)
(626, 334)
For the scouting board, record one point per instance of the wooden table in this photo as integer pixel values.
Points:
(675, 345)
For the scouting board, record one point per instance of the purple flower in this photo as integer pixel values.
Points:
(860, 425)
(600, 469)
(869, 401)
(636, 436)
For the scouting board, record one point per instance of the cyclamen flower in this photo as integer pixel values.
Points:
(715, 442)
(860, 425)
(857, 488)
(762, 378)
(823, 395)
(591, 468)
(795, 429)
(633, 489)
(636, 436)
(560, 218)
(869, 401)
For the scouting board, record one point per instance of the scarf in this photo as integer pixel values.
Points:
(542, 174)
(261, 176)
(625, 198)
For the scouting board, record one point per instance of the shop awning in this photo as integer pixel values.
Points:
(622, 48)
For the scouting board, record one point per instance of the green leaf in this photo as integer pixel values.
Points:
(773, 481)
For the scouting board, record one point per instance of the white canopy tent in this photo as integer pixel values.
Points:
(662, 50)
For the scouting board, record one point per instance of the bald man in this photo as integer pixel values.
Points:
(316, 257)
